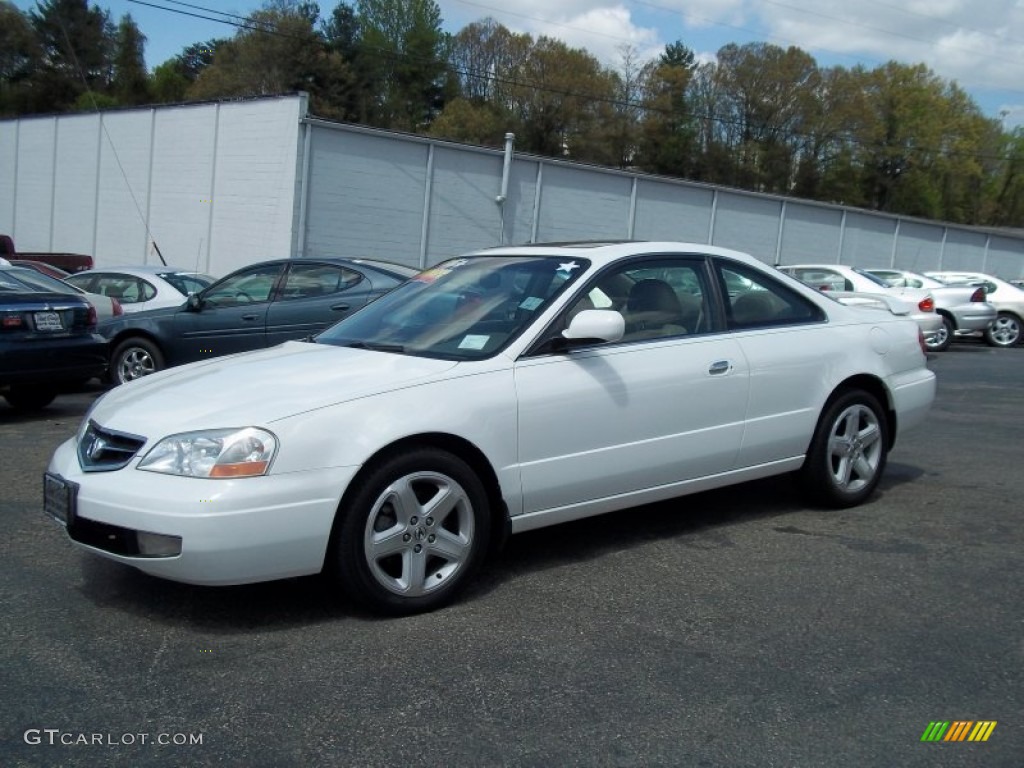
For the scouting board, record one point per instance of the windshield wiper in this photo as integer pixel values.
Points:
(397, 348)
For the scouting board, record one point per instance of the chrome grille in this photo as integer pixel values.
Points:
(104, 450)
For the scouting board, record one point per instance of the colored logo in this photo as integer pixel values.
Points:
(958, 730)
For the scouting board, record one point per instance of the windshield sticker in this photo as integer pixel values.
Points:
(568, 267)
(531, 303)
(472, 341)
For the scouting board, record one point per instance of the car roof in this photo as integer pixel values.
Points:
(142, 269)
(607, 251)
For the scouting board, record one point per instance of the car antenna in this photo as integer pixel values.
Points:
(157, 249)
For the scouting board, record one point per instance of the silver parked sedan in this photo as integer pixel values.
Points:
(1008, 299)
(964, 308)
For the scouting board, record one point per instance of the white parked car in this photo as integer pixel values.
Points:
(843, 281)
(503, 391)
(105, 306)
(1005, 330)
(140, 288)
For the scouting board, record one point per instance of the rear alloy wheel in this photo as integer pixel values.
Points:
(413, 533)
(941, 341)
(34, 399)
(848, 453)
(134, 358)
(1004, 331)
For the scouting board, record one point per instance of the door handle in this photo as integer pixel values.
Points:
(719, 367)
(339, 307)
(249, 317)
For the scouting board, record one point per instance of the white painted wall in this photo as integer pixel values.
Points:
(210, 185)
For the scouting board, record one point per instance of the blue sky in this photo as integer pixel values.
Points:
(977, 43)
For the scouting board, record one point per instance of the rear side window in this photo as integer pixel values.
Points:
(125, 288)
(756, 300)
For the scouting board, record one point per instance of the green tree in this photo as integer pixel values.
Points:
(20, 56)
(130, 84)
(77, 45)
(768, 92)
(1005, 195)
(404, 55)
(285, 53)
(669, 143)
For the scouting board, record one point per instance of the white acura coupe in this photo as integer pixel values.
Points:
(509, 389)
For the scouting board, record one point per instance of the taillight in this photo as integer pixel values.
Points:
(116, 306)
(12, 321)
(927, 304)
(978, 295)
(91, 317)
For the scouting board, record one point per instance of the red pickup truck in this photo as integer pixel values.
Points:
(70, 262)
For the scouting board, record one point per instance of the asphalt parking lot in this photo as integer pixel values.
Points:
(731, 628)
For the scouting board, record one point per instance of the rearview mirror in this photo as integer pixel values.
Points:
(193, 302)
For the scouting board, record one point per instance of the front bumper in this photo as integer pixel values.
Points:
(232, 531)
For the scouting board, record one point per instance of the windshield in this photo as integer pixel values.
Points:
(463, 309)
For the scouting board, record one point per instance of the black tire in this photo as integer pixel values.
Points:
(134, 358)
(389, 551)
(848, 453)
(30, 399)
(944, 337)
(1004, 331)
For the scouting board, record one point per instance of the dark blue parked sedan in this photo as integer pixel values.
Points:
(46, 341)
(254, 307)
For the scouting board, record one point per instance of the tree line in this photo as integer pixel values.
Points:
(895, 138)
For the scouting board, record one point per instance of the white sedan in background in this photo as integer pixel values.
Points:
(140, 288)
(495, 393)
(843, 282)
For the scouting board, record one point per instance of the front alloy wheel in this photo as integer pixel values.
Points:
(415, 530)
(848, 453)
(1004, 331)
(133, 359)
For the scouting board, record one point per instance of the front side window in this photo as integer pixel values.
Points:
(757, 300)
(463, 309)
(253, 286)
(186, 284)
(657, 298)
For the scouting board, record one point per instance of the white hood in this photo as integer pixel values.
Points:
(255, 388)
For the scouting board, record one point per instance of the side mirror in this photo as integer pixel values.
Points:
(194, 303)
(595, 325)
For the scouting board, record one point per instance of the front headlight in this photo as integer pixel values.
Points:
(213, 453)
